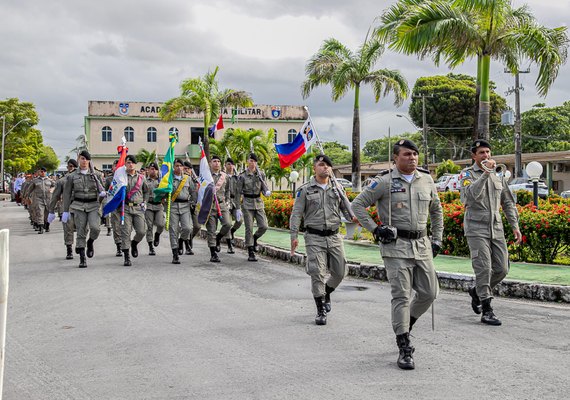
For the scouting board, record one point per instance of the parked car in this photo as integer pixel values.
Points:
(447, 182)
(345, 183)
(565, 194)
(526, 184)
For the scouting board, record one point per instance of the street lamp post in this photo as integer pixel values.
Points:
(4, 134)
(424, 132)
(293, 177)
(534, 170)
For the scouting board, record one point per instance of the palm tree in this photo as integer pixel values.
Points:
(455, 30)
(304, 163)
(145, 157)
(80, 145)
(336, 65)
(203, 95)
(274, 170)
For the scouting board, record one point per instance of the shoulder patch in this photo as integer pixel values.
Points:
(373, 184)
(466, 182)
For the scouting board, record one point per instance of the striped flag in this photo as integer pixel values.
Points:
(206, 191)
(118, 188)
(165, 185)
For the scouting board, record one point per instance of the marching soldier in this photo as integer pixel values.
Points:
(235, 212)
(251, 184)
(115, 216)
(193, 214)
(406, 196)
(135, 207)
(40, 194)
(154, 213)
(80, 196)
(180, 224)
(57, 195)
(219, 209)
(483, 193)
(319, 206)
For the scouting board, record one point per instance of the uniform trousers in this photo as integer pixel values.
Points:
(260, 218)
(154, 218)
(179, 226)
(212, 225)
(134, 219)
(325, 254)
(490, 261)
(84, 220)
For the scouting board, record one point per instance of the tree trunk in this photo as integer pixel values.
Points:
(356, 142)
(475, 133)
(484, 99)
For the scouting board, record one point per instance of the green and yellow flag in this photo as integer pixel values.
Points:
(165, 184)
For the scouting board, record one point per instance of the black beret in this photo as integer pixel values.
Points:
(215, 157)
(115, 162)
(85, 154)
(179, 161)
(479, 143)
(252, 156)
(131, 158)
(323, 158)
(229, 160)
(153, 165)
(407, 144)
(43, 169)
(72, 162)
(187, 164)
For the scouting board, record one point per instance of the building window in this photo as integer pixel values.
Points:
(274, 135)
(106, 167)
(129, 134)
(107, 134)
(196, 134)
(172, 130)
(151, 134)
(291, 135)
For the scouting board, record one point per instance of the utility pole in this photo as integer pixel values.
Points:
(518, 141)
(424, 127)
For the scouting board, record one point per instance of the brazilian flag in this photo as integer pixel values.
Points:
(165, 184)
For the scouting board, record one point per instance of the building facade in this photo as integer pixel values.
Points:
(139, 122)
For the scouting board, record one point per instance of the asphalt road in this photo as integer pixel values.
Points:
(241, 330)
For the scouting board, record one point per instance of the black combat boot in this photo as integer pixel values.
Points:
(328, 291)
(488, 316)
(218, 243)
(230, 246)
(82, 260)
(405, 359)
(134, 249)
(251, 254)
(127, 262)
(412, 322)
(40, 229)
(180, 247)
(475, 301)
(90, 250)
(321, 318)
(175, 259)
(119, 252)
(255, 247)
(108, 231)
(214, 255)
(151, 249)
(69, 255)
(188, 245)
(46, 226)
(36, 227)
(156, 239)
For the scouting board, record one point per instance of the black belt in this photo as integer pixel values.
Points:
(252, 196)
(232, 196)
(155, 203)
(181, 201)
(411, 234)
(132, 204)
(322, 233)
(85, 200)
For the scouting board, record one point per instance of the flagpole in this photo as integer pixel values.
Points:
(168, 211)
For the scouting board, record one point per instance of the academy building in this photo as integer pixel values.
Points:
(139, 122)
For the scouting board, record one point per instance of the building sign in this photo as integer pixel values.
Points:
(123, 108)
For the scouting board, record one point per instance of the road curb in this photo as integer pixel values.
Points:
(454, 281)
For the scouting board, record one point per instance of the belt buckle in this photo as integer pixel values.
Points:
(131, 204)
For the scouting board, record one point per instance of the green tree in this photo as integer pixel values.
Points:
(275, 172)
(203, 95)
(546, 129)
(80, 145)
(338, 152)
(238, 142)
(145, 157)
(304, 165)
(456, 30)
(336, 65)
(377, 150)
(447, 167)
(47, 158)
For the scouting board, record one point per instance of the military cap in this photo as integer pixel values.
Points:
(179, 161)
(323, 158)
(71, 161)
(407, 144)
(229, 160)
(480, 143)
(252, 156)
(43, 169)
(131, 158)
(215, 157)
(85, 154)
(187, 164)
(153, 165)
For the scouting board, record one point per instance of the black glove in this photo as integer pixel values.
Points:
(385, 234)
(435, 249)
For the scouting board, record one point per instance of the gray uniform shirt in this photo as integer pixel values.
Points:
(153, 184)
(139, 196)
(57, 193)
(40, 189)
(249, 184)
(412, 203)
(483, 194)
(80, 192)
(223, 193)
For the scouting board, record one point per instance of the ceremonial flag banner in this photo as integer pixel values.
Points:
(206, 190)
(165, 185)
(218, 125)
(290, 152)
(118, 188)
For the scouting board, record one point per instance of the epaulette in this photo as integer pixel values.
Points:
(298, 191)
(425, 171)
(384, 172)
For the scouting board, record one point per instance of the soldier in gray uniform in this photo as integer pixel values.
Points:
(232, 203)
(40, 194)
(135, 207)
(251, 184)
(154, 213)
(57, 194)
(81, 196)
(410, 193)
(483, 193)
(193, 214)
(318, 204)
(115, 216)
(180, 224)
(219, 209)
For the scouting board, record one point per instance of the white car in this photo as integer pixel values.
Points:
(447, 182)
(345, 183)
(526, 184)
(565, 194)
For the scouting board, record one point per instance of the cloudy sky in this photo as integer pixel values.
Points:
(59, 54)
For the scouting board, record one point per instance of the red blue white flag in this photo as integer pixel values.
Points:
(290, 152)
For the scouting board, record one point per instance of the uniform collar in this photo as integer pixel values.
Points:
(397, 174)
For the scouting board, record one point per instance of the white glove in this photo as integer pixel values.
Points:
(103, 194)
(65, 217)
(239, 214)
(267, 194)
(50, 218)
(143, 207)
